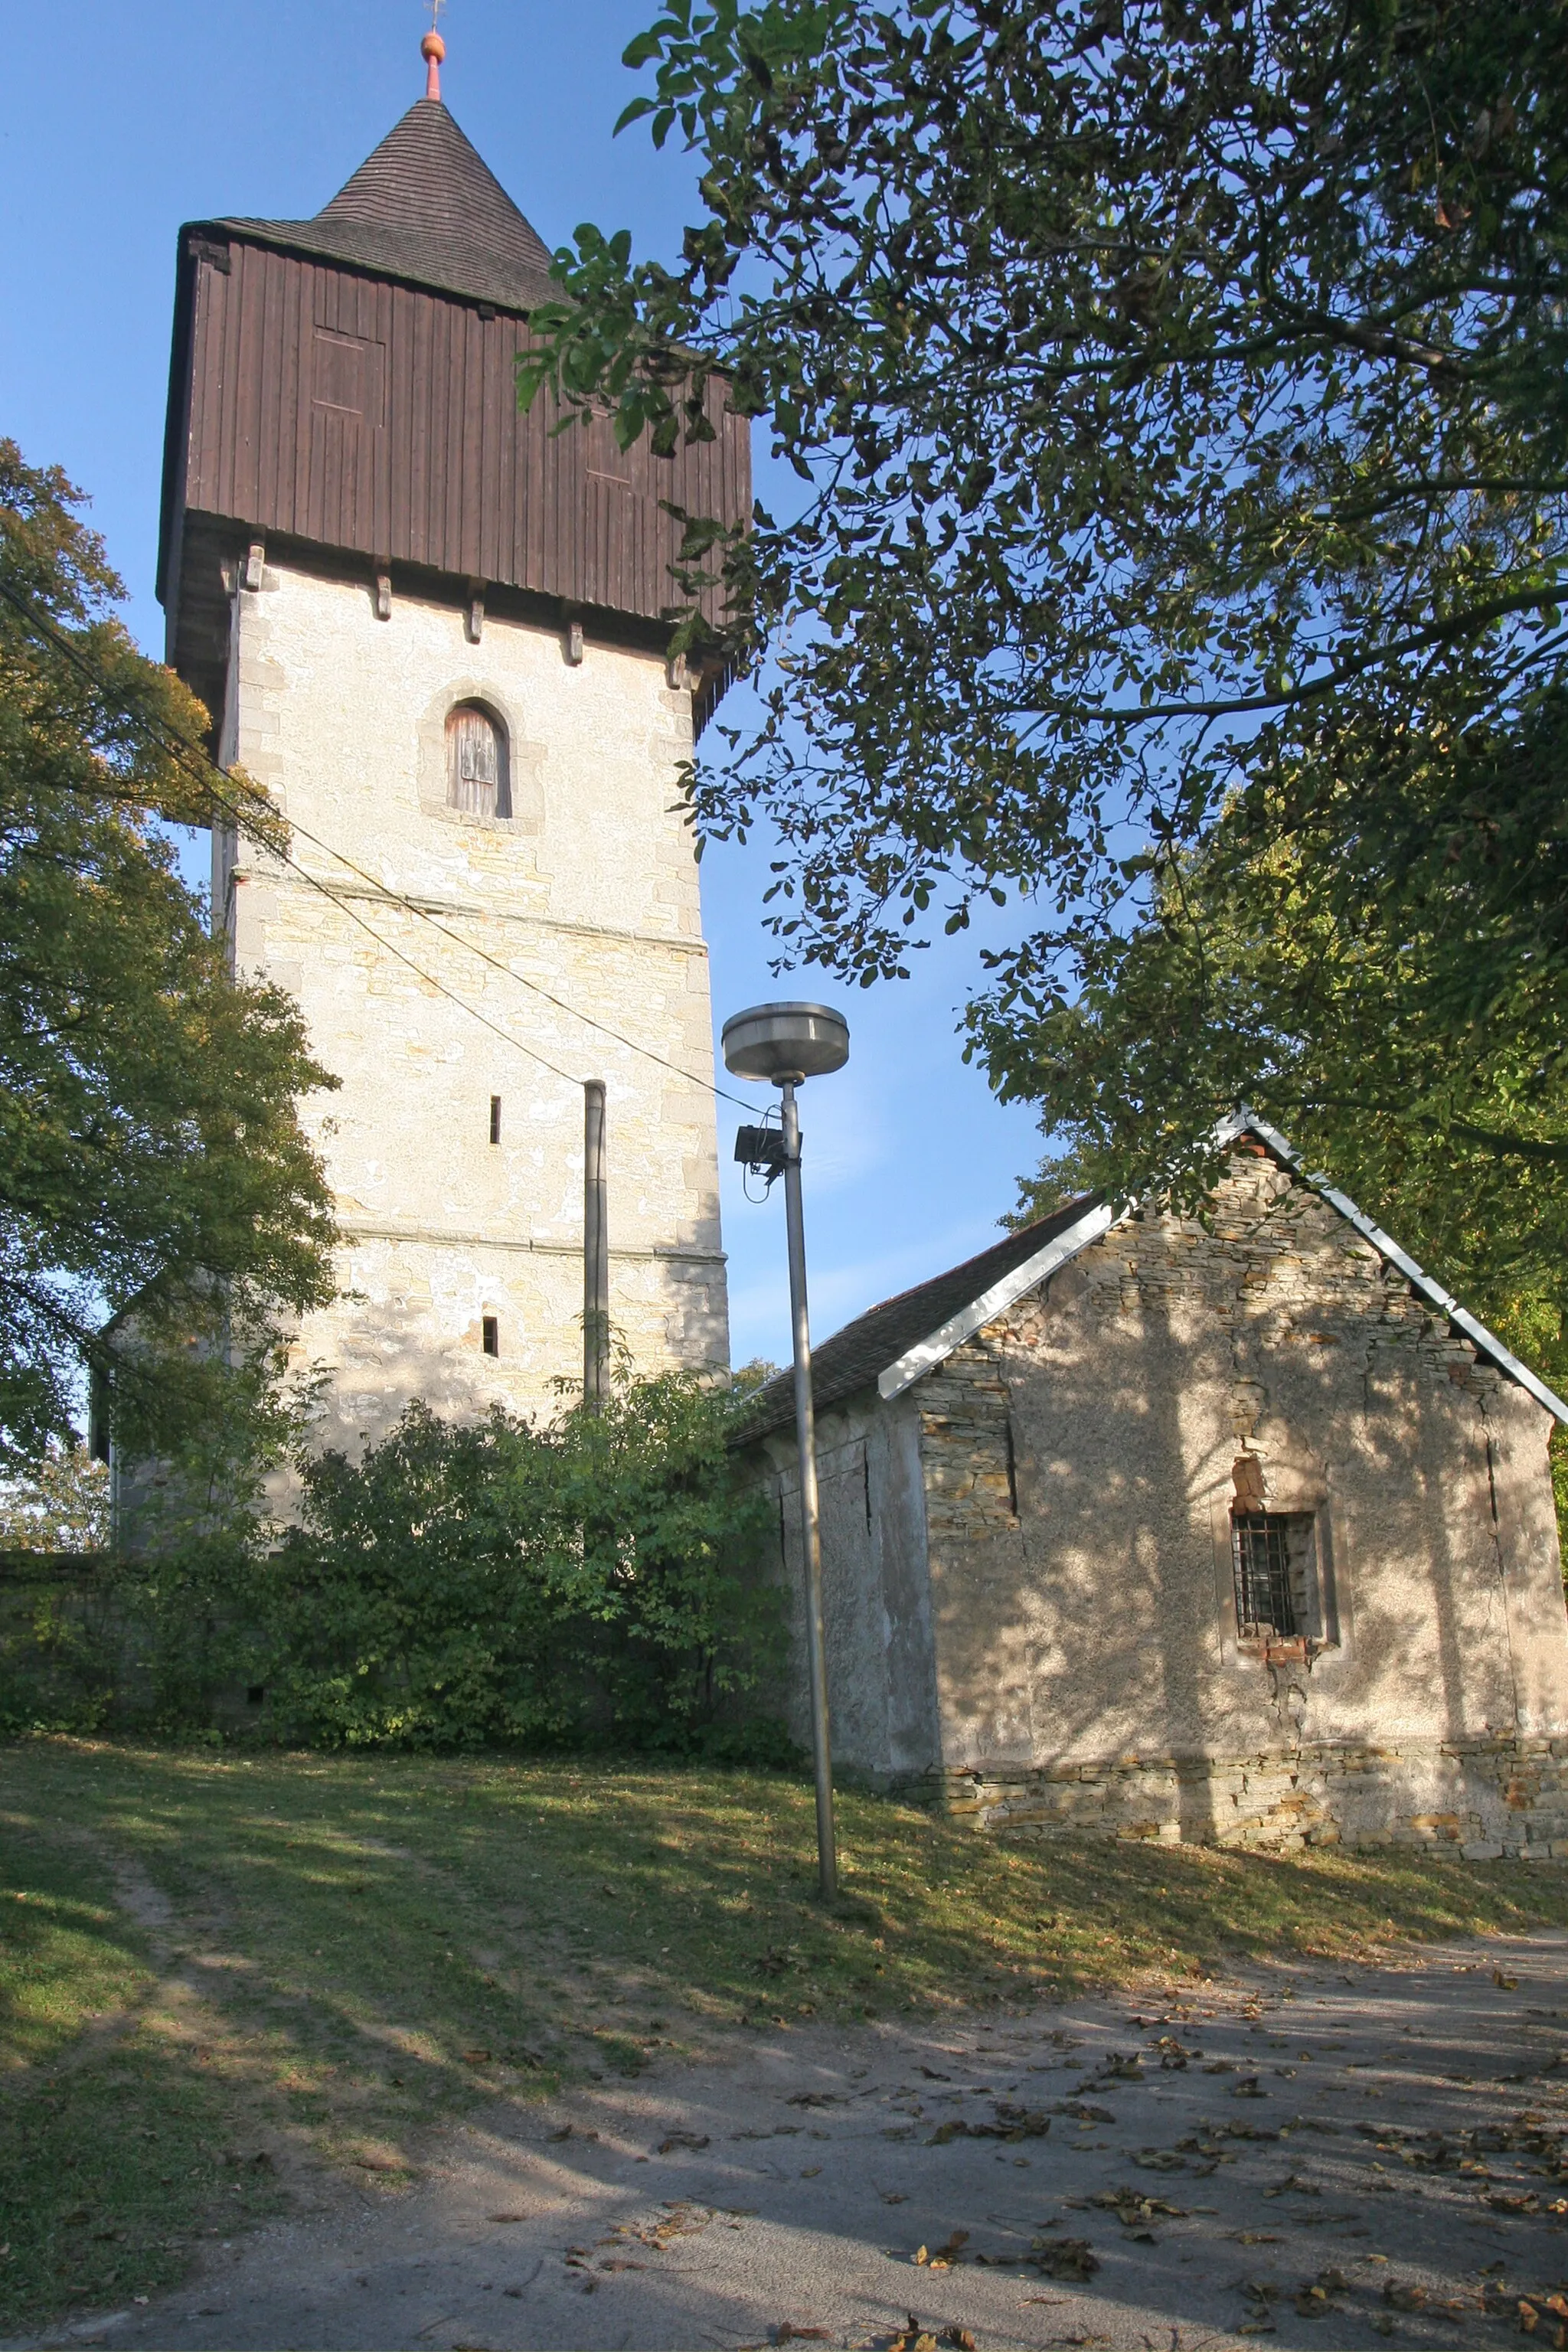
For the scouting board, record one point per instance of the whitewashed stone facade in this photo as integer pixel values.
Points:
(586, 901)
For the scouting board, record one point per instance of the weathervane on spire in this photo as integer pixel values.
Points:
(433, 49)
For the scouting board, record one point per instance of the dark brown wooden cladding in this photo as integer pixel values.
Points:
(366, 416)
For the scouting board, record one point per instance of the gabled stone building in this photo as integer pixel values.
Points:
(1239, 1529)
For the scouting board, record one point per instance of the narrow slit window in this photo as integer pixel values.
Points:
(476, 778)
(489, 1329)
(1272, 1555)
(495, 1118)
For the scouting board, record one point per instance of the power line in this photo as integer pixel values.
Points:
(206, 769)
(179, 746)
(462, 1003)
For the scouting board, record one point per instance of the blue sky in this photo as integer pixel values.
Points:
(124, 121)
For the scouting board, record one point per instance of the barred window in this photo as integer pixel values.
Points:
(477, 777)
(1272, 1555)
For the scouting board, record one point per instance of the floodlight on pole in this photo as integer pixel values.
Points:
(784, 1045)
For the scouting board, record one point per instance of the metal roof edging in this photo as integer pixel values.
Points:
(927, 1352)
(1389, 1249)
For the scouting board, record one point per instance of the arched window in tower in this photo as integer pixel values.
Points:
(477, 777)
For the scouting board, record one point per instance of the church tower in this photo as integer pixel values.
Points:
(438, 634)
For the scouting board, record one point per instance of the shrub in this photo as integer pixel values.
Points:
(579, 1583)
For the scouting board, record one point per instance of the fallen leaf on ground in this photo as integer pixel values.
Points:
(1131, 2209)
(1067, 2258)
(914, 2338)
(680, 2139)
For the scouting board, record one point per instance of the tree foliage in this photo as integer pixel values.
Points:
(590, 1582)
(1346, 988)
(61, 1504)
(151, 1161)
(505, 1583)
(494, 1583)
(1177, 392)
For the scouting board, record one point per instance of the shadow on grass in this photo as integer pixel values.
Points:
(456, 1903)
(112, 2157)
(377, 1942)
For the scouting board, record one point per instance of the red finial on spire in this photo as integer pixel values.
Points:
(433, 49)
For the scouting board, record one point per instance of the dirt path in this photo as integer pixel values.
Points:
(1327, 2159)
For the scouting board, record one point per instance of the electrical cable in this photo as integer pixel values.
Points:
(204, 767)
(177, 743)
(750, 1168)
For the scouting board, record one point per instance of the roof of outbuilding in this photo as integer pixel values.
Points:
(854, 1357)
(895, 1344)
(424, 206)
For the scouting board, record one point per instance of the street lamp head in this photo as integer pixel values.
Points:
(780, 1042)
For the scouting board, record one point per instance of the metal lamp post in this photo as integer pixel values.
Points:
(784, 1045)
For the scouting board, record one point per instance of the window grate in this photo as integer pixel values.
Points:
(1265, 1603)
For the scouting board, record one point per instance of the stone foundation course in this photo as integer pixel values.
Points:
(1485, 1799)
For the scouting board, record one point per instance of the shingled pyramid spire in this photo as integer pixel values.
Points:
(425, 205)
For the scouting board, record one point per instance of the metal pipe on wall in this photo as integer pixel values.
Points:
(596, 1250)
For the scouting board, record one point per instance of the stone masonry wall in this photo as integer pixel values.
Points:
(1485, 1799)
(1081, 1456)
(586, 903)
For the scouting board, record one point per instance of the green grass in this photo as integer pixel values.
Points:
(113, 2137)
(336, 1954)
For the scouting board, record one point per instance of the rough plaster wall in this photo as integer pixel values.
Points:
(875, 1595)
(1527, 1541)
(590, 893)
(899, 1513)
(1096, 1620)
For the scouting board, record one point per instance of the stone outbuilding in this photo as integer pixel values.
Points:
(1236, 1529)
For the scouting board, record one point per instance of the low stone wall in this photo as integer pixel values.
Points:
(1483, 1799)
